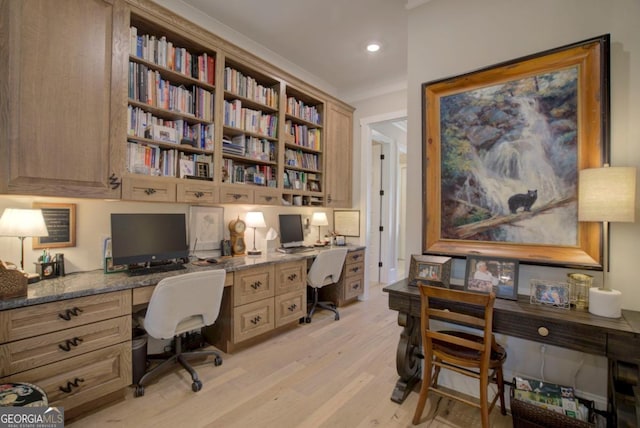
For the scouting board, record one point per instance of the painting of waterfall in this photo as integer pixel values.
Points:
(504, 146)
(509, 161)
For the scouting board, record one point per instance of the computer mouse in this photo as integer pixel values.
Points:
(211, 260)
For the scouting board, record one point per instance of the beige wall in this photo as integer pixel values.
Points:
(447, 38)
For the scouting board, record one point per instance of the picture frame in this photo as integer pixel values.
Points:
(346, 222)
(430, 270)
(487, 274)
(206, 228)
(502, 149)
(61, 224)
(551, 293)
(202, 170)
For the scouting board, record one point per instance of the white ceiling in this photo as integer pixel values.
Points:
(326, 38)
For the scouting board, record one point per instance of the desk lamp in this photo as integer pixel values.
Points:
(606, 195)
(22, 223)
(319, 219)
(254, 219)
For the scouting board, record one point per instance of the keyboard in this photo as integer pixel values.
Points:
(294, 250)
(156, 269)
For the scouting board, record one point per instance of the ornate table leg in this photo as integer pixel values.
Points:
(408, 363)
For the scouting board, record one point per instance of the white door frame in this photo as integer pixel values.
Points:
(366, 184)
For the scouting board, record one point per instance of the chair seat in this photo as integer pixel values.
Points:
(498, 353)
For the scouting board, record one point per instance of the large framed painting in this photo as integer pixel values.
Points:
(502, 148)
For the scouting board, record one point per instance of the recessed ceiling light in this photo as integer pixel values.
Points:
(373, 47)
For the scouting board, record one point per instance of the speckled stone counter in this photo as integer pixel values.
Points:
(79, 284)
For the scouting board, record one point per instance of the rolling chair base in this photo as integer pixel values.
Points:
(324, 305)
(169, 361)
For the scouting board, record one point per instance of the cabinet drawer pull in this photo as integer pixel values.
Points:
(70, 385)
(236, 196)
(256, 285)
(292, 307)
(355, 256)
(69, 312)
(292, 276)
(543, 331)
(150, 191)
(256, 319)
(268, 198)
(355, 286)
(114, 182)
(66, 347)
(355, 269)
(198, 194)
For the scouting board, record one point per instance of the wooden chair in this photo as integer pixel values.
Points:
(478, 356)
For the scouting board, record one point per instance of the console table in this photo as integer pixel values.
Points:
(617, 339)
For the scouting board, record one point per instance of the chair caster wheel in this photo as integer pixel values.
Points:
(307, 320)
(196, 386)
(217, 361)
(337, 317)
(139, 391)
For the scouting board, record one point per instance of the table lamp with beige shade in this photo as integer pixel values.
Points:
(606, 194)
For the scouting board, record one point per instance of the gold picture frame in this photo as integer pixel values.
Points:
(61, 225)
(502, 150)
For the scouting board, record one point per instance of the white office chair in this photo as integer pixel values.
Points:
(325, 270)
(180, 304)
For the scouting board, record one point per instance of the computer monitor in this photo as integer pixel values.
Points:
(291, 232)
(148, 238)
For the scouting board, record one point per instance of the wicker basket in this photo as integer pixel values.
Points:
(13, 283)
(526, 415)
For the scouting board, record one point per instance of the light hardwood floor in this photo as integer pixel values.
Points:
(324, 374)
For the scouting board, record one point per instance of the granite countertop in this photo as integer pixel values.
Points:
(80, 284)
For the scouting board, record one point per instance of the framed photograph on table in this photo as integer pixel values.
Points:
(430, 270)
(551, 293)
(504, 146)
(487, 274)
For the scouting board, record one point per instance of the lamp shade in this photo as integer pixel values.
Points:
(607, 194)
(319, 219)
(254, 219)
(22, 223)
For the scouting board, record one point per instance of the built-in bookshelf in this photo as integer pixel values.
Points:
(250, 141)
(171, 104)
(303, 145)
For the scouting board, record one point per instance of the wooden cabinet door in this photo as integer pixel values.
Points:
(338, 151)
(63, 115)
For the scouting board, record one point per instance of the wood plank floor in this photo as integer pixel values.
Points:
(324, 374)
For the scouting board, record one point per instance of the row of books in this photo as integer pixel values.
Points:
(299, 109)
(149, 159)
(301, 159)
(250, 120)
(550, 396)
(139, 120)
(300, 180)
(248, 87)
(303, 136)
(148, 87)
(250, 147)
(239, 173)
(163, 53)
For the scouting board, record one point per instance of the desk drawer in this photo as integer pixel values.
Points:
(353, 287)
(574, 336)
(353, 269)
(38, 351)
(290, 307)
(252, 285)
(78, 380)
(624, 347)
(36, 320)
(252, 320)
(291, 276)
(354, 257)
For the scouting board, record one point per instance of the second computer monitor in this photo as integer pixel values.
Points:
(291, 232)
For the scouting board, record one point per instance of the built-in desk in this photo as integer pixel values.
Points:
(72, 335)
(617, 339)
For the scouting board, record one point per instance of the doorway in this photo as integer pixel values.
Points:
(384, 183)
